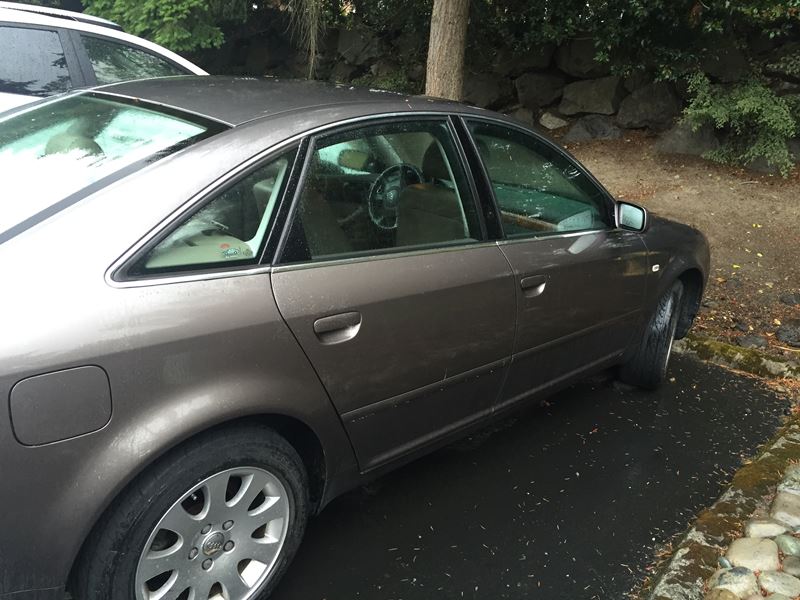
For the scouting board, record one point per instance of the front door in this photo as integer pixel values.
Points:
(580, 282)
(405, 312)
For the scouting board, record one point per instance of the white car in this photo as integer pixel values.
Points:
(46, 51)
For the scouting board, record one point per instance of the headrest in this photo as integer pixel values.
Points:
(433, 163)
(65, 142)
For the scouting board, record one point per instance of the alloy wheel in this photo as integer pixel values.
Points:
(220, 540)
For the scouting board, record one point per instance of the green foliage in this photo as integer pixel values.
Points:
(396, 81)
(181, 25)
(788, 63)
(669, 39)
(758, 122)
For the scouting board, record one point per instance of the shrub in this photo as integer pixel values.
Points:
(755, 121)
(396, 81)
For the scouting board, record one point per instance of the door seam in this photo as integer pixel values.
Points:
(316, 373)
(513, 273)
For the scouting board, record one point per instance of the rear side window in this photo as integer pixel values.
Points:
(229, 231)
(32, 62)
(114, 62)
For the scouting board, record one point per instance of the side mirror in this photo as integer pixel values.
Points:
(631, 217)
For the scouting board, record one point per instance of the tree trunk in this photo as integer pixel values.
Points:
(445, 75)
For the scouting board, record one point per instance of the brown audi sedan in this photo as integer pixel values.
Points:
(226, 301)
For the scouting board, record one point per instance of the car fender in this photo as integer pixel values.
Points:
(172, 376)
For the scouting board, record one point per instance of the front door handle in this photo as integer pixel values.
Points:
(533, 285)
(337, 328)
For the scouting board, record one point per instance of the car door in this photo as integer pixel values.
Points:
(386, 280)
(580, 281)
(34, 62)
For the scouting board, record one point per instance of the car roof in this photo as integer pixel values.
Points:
(238, 100)
(24, 17)
(61, 14)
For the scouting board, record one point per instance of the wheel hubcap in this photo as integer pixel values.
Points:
(213, 544)
(221, 540)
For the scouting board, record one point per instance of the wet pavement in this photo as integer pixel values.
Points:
(568, 500)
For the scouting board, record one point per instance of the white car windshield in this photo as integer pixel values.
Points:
(54, 150)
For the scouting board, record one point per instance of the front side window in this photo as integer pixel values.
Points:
(63, 146)
(114, 62)
(32, 62)
(538, 189)
(380, 188)
(228, 231)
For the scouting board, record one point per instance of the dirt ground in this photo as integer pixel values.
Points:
(752, 222)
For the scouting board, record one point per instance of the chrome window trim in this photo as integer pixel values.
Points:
(409, 253)
(193, 277)
(185, 208)
(552, 236)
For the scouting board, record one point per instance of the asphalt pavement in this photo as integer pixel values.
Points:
(571, 499)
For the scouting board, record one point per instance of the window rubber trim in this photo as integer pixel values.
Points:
(488, 202)
(87, 71)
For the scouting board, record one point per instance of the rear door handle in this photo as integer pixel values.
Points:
(533, 285)
(337, 328)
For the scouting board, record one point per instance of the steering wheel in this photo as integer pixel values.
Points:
(384, 194)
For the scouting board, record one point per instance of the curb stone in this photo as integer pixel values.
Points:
(695, 559)
(749, 360)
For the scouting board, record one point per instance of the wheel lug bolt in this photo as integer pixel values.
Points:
(227, 525)
(207, 564)
(205, 529)
(228, 546)
(193, 553)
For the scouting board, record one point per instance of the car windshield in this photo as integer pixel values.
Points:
(54, 150)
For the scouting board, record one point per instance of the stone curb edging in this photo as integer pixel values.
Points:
(767, 559)
(695, 560)
(748, 360)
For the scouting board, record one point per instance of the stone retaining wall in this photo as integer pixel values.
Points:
(551, 87)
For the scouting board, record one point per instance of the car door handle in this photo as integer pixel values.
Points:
(533, 286)
(337, 328)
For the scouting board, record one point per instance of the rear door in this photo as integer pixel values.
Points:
(579, 281)
(386, 280)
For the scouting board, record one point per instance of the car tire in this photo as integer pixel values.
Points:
(210, 547)
(648, 367)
